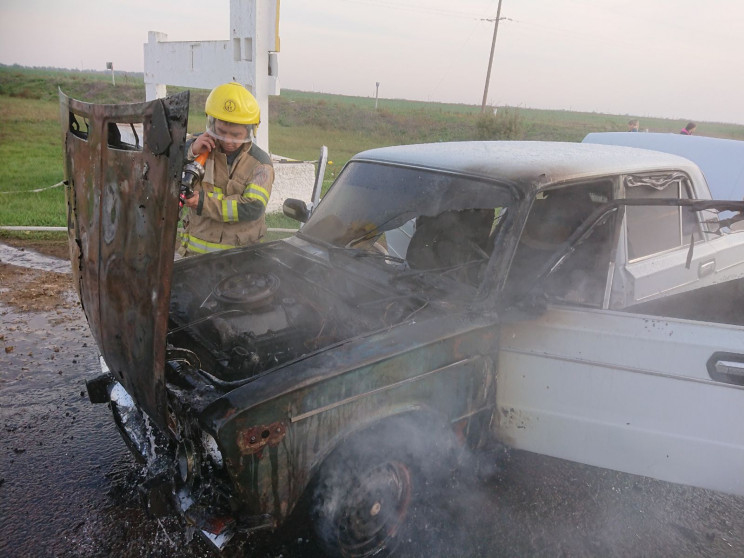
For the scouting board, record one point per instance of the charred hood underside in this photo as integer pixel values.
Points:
(122, 164)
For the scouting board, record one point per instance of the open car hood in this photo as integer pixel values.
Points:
(122, 213)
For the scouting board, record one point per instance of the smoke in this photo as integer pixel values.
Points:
(404, 487)
(511, 503)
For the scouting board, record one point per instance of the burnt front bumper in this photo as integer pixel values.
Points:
(183, 471)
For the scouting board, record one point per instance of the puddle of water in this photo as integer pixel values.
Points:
(32, 260)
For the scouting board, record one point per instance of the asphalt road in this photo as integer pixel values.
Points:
(68, 484)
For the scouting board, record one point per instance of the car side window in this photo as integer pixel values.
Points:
(655, 229)
(556, 214)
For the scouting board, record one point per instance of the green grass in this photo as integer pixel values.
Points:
(30, 148)
(300, 122)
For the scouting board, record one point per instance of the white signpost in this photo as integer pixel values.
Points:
(248, 57)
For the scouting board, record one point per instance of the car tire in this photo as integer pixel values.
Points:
(373, 490)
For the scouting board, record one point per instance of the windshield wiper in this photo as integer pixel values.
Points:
(375, 254)
(379, 229)
(366, 236)
(359, 253)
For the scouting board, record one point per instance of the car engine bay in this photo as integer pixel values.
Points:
(244, 313)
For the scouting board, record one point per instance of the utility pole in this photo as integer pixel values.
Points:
(490, 58)
(377, 92)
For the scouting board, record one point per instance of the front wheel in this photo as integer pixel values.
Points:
(370, 489)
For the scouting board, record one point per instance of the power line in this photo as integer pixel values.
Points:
(446, 74)
(413, 8)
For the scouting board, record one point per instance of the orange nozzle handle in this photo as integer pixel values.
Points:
(202, 158)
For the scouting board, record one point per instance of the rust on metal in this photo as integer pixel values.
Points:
(252, 440)
(122, 204)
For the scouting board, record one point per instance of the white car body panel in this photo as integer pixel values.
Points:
(713, 261)
(626, 392)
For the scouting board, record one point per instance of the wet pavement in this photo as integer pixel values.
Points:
(66, 477)
(68, 483)
(63, 467)
(29, 259)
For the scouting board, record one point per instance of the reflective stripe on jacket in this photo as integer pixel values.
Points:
(232, 202)
(197, 246)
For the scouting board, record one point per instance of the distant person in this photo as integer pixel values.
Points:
(229, 205)
(689, 129)
(633, 125)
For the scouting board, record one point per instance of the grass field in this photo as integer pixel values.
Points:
(300, 122)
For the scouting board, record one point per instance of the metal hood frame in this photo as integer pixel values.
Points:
(122, 215)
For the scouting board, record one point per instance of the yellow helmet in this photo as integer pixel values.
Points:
(232, 102)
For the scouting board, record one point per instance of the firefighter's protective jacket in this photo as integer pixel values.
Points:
(232, 202)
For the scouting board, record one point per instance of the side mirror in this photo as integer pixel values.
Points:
(296, 209)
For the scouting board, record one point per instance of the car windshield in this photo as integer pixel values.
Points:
(370, 198)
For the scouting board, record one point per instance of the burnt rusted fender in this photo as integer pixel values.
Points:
(276, 430)
(122, 215)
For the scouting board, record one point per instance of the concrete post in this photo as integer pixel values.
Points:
(248, 57)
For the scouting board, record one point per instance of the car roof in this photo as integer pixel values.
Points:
(532, 163)
(720, 160)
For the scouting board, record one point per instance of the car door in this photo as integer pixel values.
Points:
(632, 392)
(656, 243)
(629, 392)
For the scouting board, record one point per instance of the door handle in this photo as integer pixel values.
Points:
(726, 367)
(706, 268)
(730, 368)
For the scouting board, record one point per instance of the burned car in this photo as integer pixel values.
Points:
(326, 368)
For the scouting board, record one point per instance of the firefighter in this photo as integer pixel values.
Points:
(227, 209)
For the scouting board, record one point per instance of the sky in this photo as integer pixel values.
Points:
(669, 58)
